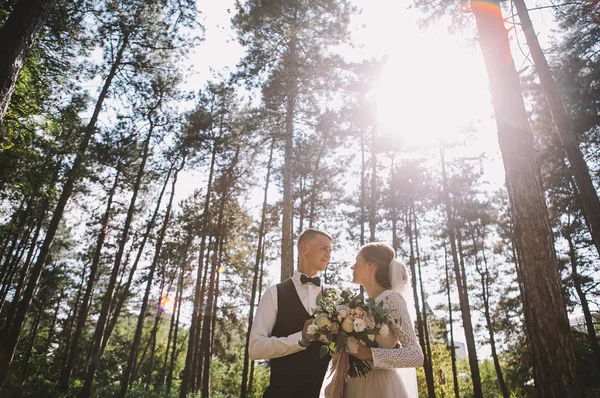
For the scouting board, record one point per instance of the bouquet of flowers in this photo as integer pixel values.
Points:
(340, 315)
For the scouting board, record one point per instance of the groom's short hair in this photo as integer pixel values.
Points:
(310, 233)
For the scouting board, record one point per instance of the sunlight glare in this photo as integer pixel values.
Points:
(430, 87)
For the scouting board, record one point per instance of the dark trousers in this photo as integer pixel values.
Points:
(311, 390)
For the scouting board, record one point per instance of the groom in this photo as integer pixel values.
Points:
(282, 317)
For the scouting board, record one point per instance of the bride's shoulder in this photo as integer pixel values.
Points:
(390, 296)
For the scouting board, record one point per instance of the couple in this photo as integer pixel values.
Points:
(284, 314)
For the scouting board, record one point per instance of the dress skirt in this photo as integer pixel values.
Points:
(378, 383)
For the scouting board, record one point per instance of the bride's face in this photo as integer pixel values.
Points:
(361, 270)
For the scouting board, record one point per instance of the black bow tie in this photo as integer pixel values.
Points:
(315, 281)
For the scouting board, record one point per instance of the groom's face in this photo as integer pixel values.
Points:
(317, 252)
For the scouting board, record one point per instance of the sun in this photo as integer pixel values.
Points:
(430, 87)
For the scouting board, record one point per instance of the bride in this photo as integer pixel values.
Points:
(394, 375)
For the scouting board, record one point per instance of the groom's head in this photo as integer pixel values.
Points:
(314, 250)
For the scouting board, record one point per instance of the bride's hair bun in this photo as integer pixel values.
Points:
(381, 254)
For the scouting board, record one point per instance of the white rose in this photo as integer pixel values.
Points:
(312, 329)
(384, 330)
(359, 325)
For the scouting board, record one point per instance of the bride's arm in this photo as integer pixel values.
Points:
(410, 355)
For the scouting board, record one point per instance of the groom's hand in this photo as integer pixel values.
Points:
(307, 323)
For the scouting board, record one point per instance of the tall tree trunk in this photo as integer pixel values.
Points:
(450, 321)
(73, 348)
(67, 330)
(585, 307)
(420, 326)
(463, 298)
(23, 270)
(188, 371)
(157, 249)
(199, 361)
(17, 35)
(205, 347)
(427, 364)
(260, 284)
(107, 301)
(50, 336)
(546, 319)
(314, 189)
(30, 255)
(257, 260)
(287, 247)
(588, 197)
(373, 201)
(19, 221)
(11, 336)
(35, 324)
(485, 291)
(178, 302)
(6, 233)
(123, 293)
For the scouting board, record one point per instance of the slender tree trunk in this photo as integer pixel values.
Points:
(23, 270)
(315, 188)
(124, 293)
(287, 248)
(363, 199)
(205, 347)
(107, 301)
(450, 321)
(589, 321)
(140, 324)
(373, 201)
(33, 334)
(73, 348)
(261, 233)
(44, 351)
(19, 221)
(67, 330)
(420, 326)
(188, 371)
(393, 207)
(17, 35)
(463, 298)
(428, 365)
(588, 197)
(6, 233)
(260, 284)
(199, 361)
(30, 255)
(546, 319)
(485, 289)
(178, 302)
(11, 336)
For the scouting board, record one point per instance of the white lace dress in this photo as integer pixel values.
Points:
(384, 381)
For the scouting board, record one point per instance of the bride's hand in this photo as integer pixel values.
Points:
(361, 352)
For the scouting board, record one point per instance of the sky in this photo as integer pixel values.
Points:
(433, 83)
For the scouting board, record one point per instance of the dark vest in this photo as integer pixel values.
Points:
(304, 367)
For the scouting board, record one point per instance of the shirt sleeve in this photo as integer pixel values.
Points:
(262, 345)
(410, 354)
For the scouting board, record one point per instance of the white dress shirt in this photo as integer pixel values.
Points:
(262, 344)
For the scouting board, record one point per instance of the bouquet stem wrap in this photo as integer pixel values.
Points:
(340, 365)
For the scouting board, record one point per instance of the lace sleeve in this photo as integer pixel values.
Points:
(409, 354)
